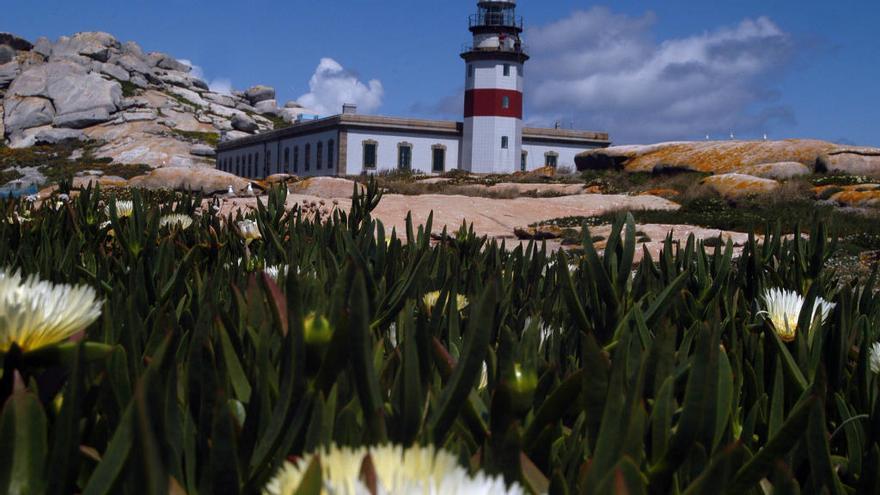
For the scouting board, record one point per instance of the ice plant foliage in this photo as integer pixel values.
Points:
(36, 313)
(783, 308)
(176, 220)
(415, 470)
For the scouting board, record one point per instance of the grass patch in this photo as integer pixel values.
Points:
(182, 100)
(210, 138)
(55, 162)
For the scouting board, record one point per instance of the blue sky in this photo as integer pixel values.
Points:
(643, 70)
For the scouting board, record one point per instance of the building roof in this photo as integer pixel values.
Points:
(374, 122)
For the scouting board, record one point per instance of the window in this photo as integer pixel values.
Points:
(551, 158)
(524, 161)
(404, 156)
(438, 158)
(267, 168)
(296, 159)
(308, 157)
(286, 160)
(505, 102)
(471, 70)
(506, 70)
(237, 165)
(370, 151)
(319, 159)
(331, 148)
(504, 142)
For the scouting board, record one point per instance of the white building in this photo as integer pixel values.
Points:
(491, 139)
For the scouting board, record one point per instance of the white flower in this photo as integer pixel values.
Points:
(35, 313)
(123, 209)
(249, 230)
(274, 271)
(783, 308)
(32, 198)
(176, 220)
(64, 197)
(874, 358)
(416, 470)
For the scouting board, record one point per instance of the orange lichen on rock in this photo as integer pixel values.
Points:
(738, 185)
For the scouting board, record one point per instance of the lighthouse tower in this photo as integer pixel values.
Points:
(493, 103)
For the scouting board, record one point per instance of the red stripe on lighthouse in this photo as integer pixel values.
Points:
(490, 103)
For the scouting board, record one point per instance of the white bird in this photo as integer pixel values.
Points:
(230, 191)
(765, 137)
(707, 137)
(250, 189)
(732, 137)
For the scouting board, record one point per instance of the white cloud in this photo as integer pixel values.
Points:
(221, 85)
(331, 86)
(605, 71)
(195, 70)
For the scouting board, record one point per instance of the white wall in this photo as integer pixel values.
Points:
(387, 152)
(536, 151)
(489, 74)
(243, 154)
(485, 155)
(313, 140)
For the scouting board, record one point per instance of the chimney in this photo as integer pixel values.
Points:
(349, 109)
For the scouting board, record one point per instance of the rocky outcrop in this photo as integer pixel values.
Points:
(728, 156)
(143, 108)
(777, 171)
(206, 180)
(325, 187)
(856, 161)
(733, 186)
(257, 94)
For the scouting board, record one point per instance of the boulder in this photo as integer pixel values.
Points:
(241, 122)
(81, 94)
(132, 64)
(130, 48)
(267, 107)
(50, 135)
(290, 115)
(204, 179)
(709, 156)
(219, 99)
(112, 70)
(857, 196)
(325, 187)
(153, 58)
(280, 179)
(43, 46)
(170, 63)
(83, 119)
(94, 45)
(732, 186)
(27, 112)
(777, 171)
(87, 181)
(203, 150)
(198, 83)
(7, 54)
(189, 95)
(8, 73)
(260, 93)
(17, 43)
(139, 81)
(233, 135)
(854, 161)
(292, 104)
(140, 116)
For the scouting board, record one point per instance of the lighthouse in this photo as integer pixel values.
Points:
(493, 102)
